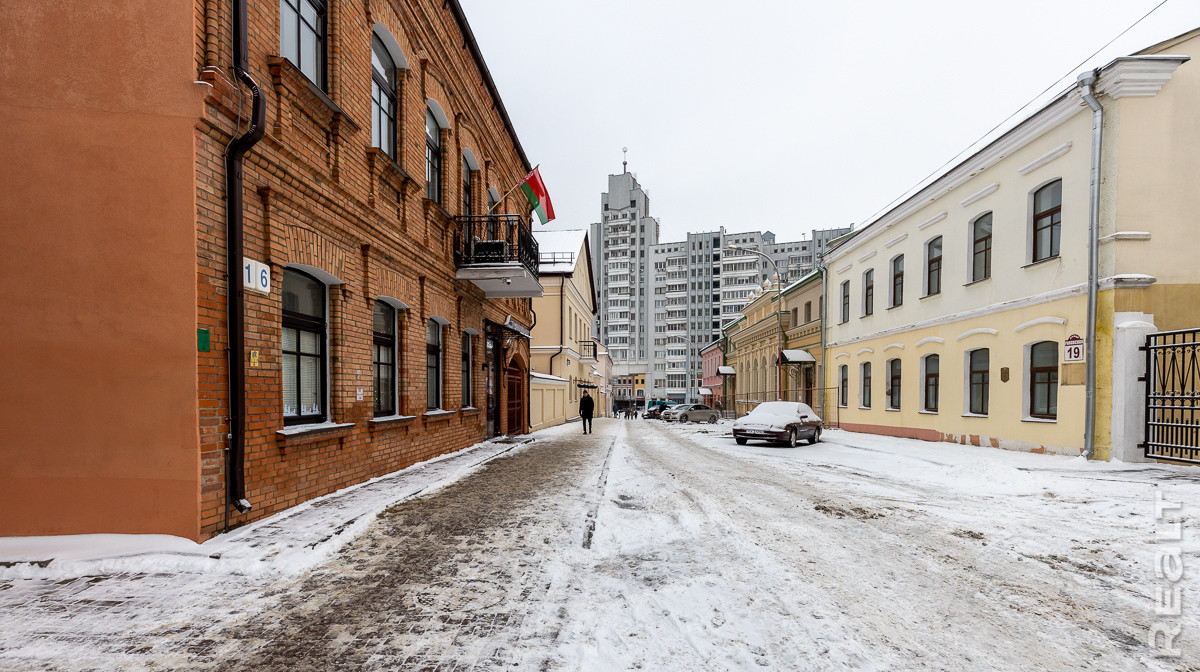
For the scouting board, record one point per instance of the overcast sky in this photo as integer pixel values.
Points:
(781, 115)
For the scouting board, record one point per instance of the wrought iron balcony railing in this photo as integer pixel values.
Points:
(587, 350)
(497, 239)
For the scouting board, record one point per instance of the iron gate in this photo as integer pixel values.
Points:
(1173, 395)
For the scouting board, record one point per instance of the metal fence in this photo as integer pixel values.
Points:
(1173, 395)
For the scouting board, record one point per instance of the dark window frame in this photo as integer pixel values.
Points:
(383, 99)
(981, 248)
(895, 372)
(933, 267)
(865, 381)
(1048, 219)
(307, 324)
(468, 204)
(869, 292)
(468, 392)
(845, 302)
(979, 378)
(898, 281)
(434, 384)
(1043, 376)
(933, 384)
(843, 385)
(386, 375)
(315, 72)
(433, 158)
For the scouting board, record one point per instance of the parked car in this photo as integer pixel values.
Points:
(669, 414)
(696, 413)
(655, 410)
(778, 421)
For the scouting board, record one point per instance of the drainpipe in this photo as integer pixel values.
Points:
(824, 355)
(1086, 82)
(529, 385)
(235, 454)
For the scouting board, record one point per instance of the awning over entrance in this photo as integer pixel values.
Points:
(705, 390)
(797, 357)
(726, 371)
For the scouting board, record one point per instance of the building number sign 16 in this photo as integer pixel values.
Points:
(256, 276)
(1073, 349)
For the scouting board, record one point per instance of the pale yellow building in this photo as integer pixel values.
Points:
(564, 356)
(956, 314)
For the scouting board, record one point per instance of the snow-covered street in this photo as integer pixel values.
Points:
(650, 546)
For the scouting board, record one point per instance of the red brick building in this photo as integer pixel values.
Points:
(385, 312)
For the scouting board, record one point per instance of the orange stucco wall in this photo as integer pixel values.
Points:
(98, 417)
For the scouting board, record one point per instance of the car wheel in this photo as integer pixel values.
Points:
(683, 418)
(793, 438)
(816, 437)
(740, 441)
(712, 419)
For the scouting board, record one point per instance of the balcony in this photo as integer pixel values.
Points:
(499, 254)
(587, 351)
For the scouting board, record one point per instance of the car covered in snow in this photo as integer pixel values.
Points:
(691, 413)
(778, 421)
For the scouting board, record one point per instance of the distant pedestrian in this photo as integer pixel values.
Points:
(586, 406)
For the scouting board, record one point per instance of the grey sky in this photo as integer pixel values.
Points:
(780, 115)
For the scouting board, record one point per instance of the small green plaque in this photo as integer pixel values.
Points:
(202, 340)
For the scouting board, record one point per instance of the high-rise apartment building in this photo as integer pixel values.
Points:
(661, 303)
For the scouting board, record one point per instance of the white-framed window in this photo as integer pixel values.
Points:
(433, 158)
(304, 349)
(868, 292)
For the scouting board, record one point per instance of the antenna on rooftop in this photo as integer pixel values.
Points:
(624, 160)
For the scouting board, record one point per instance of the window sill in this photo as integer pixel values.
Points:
(898, 305)
(891, 409)
(976, 282)
(974, 415)
(1050, 421)
(926, 411)
(439, 414)
(864, 408)
(382, 158)
(470, 410)
(284, 71)
(430, 203)
(930, 296)
(389, 420)
(1042, 261)
(299, 435)
(865, 315)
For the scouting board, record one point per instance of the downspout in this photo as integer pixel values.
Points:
(1086, 82)
(529, 386)
(235, 454)
(824, 354)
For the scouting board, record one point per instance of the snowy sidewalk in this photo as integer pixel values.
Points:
(288, 542)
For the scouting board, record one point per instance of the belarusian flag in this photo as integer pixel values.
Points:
(535, 190)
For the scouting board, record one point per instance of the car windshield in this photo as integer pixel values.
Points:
(777, 408)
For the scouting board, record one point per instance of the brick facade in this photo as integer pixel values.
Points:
(319, 196)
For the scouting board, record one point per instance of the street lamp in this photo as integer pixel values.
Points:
(778, 312)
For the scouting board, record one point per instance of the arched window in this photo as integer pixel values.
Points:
(981, 248)
(1047, 220)
(932, 382)
(933, 267)
(1043, 380)
(433, 364)
(978, 382)
(302, 37)
(384, 358)
(383, 98)
(433, 158)
(303, 348)
(466, 187)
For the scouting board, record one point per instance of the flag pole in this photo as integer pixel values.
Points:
(510, 191)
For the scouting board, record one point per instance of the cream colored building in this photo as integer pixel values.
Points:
(950, 316)
(753, 343)
(564, 356)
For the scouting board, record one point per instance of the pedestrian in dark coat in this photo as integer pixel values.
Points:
(586, 406)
